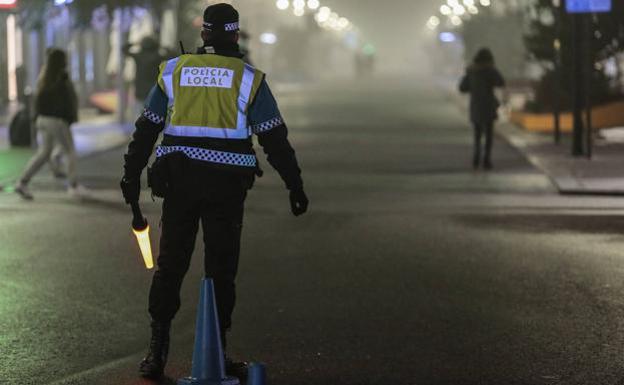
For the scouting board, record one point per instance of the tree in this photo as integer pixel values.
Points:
(550, 35)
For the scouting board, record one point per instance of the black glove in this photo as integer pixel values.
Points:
(298, 202)
(131, 189)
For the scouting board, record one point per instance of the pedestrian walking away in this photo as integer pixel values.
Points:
(56, 108)
(480, 81)
(208, 104)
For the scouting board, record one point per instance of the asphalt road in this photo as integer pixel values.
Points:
(410, 268)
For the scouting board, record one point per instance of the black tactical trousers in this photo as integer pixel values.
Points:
(216, 200)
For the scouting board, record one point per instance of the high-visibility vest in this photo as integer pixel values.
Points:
(209, 96)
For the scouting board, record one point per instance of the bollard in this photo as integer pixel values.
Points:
(257, 374)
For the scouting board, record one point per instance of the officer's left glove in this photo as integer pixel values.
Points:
(298, 202)
(131, 189)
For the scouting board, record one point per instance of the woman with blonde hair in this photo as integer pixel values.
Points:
(56, 108)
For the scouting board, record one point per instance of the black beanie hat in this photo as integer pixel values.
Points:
(221, 18)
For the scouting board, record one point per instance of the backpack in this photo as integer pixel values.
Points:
(19, 129)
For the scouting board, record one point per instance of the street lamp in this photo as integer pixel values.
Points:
(323, 15)
(313, 4)
(459, 10)
(433, 22)
(282, 4)
(268, 38)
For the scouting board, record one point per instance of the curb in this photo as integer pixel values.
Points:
(565, 185)
(568, 186)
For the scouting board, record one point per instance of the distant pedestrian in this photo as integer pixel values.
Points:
(56, 108)
(480, 80)
(147, 59)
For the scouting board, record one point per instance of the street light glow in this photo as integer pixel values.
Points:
(485, 3)
(282, 4)
(459, 10)
(323, 15)
(313, 4)
(333, 21)
(445, 10)
(447, 37)
(268, 38)
(298, 12)
(343, 23)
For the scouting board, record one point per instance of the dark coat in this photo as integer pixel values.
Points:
(147, 63)
(58, 100)
(480, 81)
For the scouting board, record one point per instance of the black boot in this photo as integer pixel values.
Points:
(236, 369)
(233, 368)
(153, 365)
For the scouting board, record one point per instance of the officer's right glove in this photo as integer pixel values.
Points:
(131, 189)
(298, 202)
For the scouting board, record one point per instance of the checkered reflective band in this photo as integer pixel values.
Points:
(267, 126)
(221, 157)
(153, 117)
(229, 27)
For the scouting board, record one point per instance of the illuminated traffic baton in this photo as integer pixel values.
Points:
(140, 228)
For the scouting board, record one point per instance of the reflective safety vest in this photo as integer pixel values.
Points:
(209, 96)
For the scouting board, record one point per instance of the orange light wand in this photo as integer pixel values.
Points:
(140, 228)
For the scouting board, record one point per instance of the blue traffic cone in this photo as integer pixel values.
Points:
(256, 374)
(208, 362)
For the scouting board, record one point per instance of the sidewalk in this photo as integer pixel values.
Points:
(602, 175)
(93, 134)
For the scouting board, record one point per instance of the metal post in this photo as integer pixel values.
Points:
(589, 67)
(577, 137)
(4, 69)
(122, 93)
(557, 75)
(557, 97)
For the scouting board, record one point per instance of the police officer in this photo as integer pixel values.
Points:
(208, 104)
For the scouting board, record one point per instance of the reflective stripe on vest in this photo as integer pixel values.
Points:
(168, 79)
(241, 131)
(213, 156)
